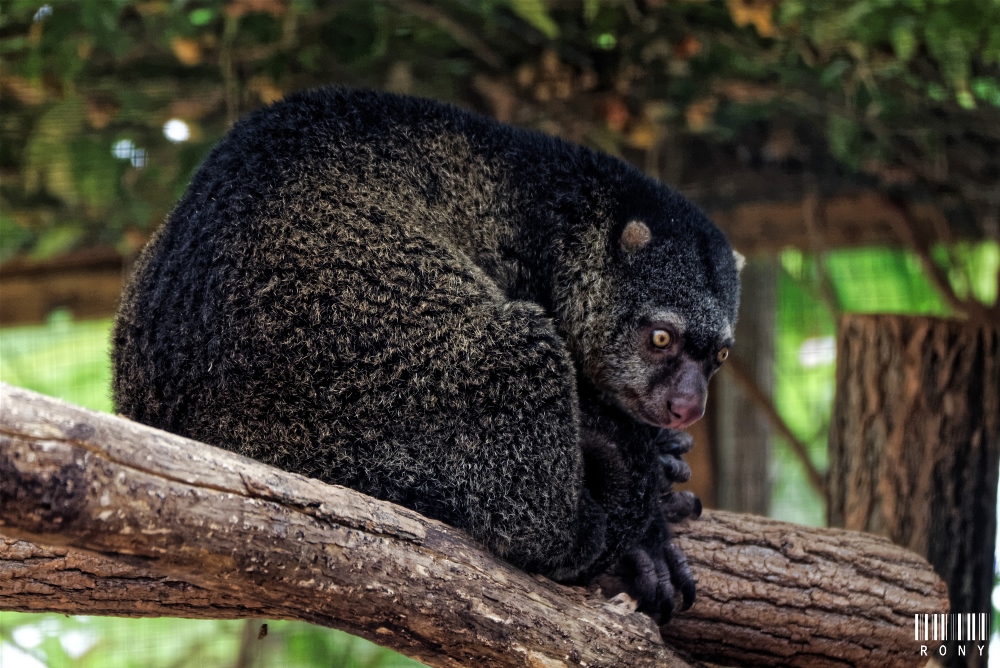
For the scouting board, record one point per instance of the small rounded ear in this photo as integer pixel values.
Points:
(635, 235)
(740, 261)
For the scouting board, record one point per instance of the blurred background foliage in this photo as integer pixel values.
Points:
(58, 641)
(108, 106)
(899, 92)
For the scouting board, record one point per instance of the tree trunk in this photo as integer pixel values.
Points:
(105, 516)
(915, 447)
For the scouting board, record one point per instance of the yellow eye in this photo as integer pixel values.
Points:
(661, 338)
(722, 355)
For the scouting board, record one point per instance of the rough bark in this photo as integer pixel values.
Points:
(915, 445)
(102, 515)
(778, 594)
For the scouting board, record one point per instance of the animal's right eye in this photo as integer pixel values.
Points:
(660, 338)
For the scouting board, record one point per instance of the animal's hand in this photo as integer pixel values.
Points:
(679, 506)
(654, 574)
(671, 445)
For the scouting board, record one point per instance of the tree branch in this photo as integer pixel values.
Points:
(105, 516)
(453, 28)
(739, 371)
(764, 586)
(907, 229)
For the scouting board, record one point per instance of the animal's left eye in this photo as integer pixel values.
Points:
(722, 355)
(660, 338)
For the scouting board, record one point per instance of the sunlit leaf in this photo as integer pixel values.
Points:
(987, 89)
(536, 13)
(965, 99)
(903, 39)
(202, 16)
(57, 240)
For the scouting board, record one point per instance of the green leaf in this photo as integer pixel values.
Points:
(844, 137)
(606, 41)
(950, 43)
(987, 89)
(536, 13)
(834, 71)
(789, 11)
(590, 9)
(965, 99)
(936, 92)
(904, 42)
(200, 17)
(56, 241)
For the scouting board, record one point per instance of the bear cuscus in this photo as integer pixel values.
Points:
(491, 326)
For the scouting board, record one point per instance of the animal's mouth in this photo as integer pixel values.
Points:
(658, 414)
(636, 408)
(680, 423)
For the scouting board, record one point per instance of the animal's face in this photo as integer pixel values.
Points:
(663, 312)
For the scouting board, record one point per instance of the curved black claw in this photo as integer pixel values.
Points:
(680, 574)
(654, 574)
(678, 506)
(648, 579)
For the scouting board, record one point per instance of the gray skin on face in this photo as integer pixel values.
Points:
(432, 308)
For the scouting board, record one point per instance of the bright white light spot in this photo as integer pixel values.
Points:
(28, 637)
(817, 351)
(77, 643)
(123, 149)
(12, 657)
(176, 130)
(43, 11)
(139, 157)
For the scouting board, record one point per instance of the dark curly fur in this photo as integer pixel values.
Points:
(432, 308)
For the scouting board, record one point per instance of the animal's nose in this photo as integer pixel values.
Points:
(686, 411)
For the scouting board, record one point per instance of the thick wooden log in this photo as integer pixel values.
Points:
(303, 549)
(915, 446)
(39, 578)
(778, 594)
(103, 515)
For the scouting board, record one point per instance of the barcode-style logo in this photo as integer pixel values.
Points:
(959, 627)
